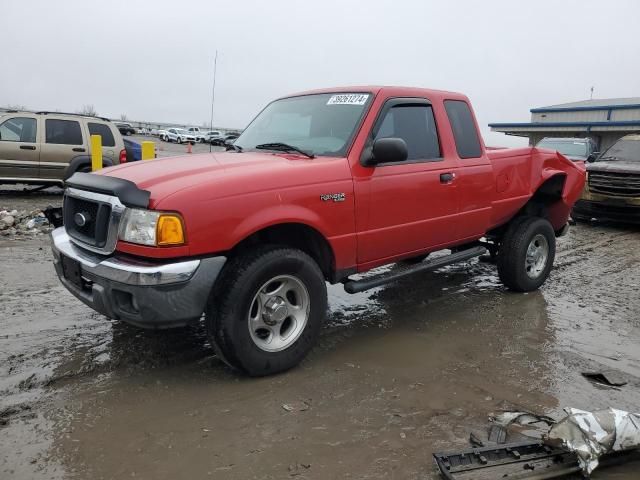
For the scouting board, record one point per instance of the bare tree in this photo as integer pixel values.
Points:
(123, 117)
(88, 110)
(15, 106)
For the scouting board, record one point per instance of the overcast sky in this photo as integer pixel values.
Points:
(153, 60)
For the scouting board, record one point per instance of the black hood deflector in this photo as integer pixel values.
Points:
(127, 191)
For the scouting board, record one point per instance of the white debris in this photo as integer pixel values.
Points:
(593, 434)
(14, 222)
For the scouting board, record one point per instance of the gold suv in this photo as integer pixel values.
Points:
(46, 148)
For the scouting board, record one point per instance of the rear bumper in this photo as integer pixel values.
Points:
(588, 209)
(145, 294)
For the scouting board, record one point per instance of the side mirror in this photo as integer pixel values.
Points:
(592, 157)
(387, 150)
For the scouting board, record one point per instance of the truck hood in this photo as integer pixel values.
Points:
(223, 174)
(614, 167)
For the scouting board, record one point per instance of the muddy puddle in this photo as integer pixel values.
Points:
(400, 372)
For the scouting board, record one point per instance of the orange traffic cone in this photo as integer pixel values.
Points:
(188, 147)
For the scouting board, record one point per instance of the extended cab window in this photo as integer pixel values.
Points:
(63, 132)
(464, 129)
(104, 131)
(18, 129)
(416, 125)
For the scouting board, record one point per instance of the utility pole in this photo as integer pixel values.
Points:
(213, 93)
(591, 94)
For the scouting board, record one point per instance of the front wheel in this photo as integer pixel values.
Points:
(266, 310)
(526, 254)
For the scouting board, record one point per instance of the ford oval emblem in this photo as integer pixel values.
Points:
(80, 220)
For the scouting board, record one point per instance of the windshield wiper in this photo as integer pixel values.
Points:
(234, 147)
(608, 157)
(284, 147)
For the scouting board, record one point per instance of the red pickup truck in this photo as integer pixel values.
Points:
(320, 186)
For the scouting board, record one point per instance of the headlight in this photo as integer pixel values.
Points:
(147, 227)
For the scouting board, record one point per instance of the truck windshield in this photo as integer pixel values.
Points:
(321, 124)
(570, 148)
(624, 150)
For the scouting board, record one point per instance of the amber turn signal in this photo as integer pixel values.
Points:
(169, 230)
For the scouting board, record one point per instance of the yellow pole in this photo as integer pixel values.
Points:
(148, 150)
(96, 152)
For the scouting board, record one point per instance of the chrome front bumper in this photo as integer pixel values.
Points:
(146, 294)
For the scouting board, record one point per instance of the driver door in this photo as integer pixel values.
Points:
(410, 206)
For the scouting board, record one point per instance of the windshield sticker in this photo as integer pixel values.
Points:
(348, 99)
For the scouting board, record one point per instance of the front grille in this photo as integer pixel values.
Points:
(620, 184)
(87, 220)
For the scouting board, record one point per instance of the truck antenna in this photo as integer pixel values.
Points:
(213, 94)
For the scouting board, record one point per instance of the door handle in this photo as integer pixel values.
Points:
(447, 177)
(27, 147)
(78, 149)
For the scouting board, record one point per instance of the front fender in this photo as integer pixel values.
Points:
(275, 215)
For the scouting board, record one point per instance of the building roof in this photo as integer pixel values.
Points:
(593, 104)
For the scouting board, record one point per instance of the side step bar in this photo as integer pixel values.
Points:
(356, 286)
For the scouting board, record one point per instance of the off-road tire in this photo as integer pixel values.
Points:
(228, 308)
(512, 268)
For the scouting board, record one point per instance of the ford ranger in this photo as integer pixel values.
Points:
(321, 186)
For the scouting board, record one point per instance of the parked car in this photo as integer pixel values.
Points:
(142, 131)
(576, 149)
(45, 148)
(229, 138)
(134, 150)
(179, 135)
(319, 187)
(198, 134)
(214, 137)
(612, 191)
(125, 128)
(162, 134)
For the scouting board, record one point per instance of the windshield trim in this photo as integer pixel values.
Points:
(356, 130)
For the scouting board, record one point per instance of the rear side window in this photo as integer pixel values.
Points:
(63, 132)
(104, 131)
(416, 126)
(18, 129)
(464, 129)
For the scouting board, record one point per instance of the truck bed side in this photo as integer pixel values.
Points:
(521, 173)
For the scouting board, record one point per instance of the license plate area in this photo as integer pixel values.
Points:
(72, 271)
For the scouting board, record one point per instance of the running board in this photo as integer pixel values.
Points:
(356, 286)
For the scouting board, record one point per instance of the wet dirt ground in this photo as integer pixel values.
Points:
(399, 372)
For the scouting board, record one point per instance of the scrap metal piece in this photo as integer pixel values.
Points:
(53, 215)
(522, 418)
(497, 434)
(609, 378)
(594, 434)
(512, 461)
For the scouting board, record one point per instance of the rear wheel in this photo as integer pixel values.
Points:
(526, 254)
(266, 310)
